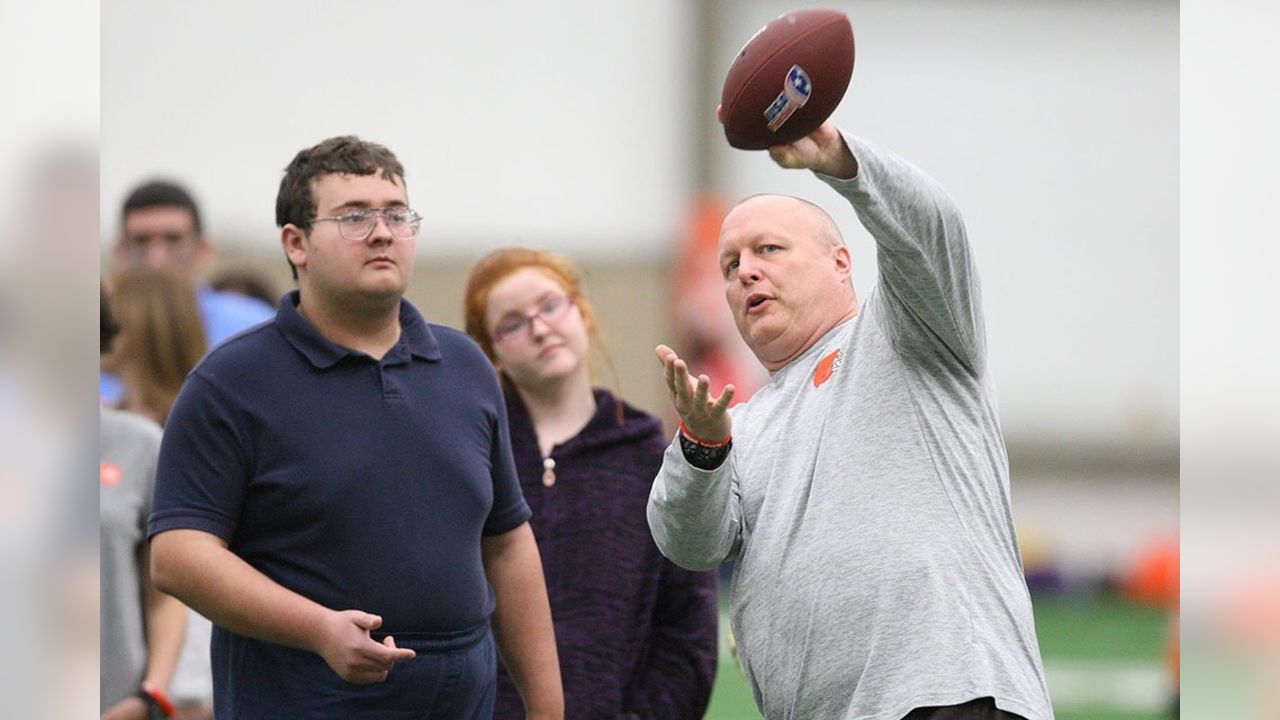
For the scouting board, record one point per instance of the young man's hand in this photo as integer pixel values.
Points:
(345, 644)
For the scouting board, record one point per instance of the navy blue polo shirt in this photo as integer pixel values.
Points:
(358, 483)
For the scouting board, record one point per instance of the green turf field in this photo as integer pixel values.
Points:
(1104, 658)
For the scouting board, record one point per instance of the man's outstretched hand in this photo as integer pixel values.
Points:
(703, 416)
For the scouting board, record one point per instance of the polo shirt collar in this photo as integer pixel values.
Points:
(415, 333)
(416, 338)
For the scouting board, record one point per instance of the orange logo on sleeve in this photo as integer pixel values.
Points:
(826, 368)
(108, 473)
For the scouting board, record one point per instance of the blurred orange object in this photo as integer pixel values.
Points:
(1153, 576)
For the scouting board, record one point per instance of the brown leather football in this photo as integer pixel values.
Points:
(787, 79)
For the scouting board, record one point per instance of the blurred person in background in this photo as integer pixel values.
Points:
(635, 633)
(863, 493)
(161, 228)
(248, 282)
(161, 338)
(703, 326)
(335, 487)
(141, 628)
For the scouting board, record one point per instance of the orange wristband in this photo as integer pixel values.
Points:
(155, 696)
(684, 429)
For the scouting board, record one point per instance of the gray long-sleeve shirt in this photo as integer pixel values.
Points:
(865, 502)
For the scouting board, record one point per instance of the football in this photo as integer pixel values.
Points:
(787, 79)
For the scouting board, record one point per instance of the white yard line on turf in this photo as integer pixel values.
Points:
(1127, 685)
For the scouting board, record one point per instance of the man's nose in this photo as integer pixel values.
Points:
(158, 255)
(747, 271)
(381, 231)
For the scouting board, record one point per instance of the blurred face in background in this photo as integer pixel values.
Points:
(539, 335)
(163, 238)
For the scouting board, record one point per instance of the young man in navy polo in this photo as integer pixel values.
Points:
(336, 491)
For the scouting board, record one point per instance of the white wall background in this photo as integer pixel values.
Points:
(574, 124)
(550, 122)
(48, 108)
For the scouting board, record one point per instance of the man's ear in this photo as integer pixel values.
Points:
(294, 242)
(843, 260)
(203, 258)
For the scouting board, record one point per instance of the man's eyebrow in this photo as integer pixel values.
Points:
(364, 205)
(148, 234)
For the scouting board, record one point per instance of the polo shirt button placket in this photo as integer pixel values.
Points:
(387, 391)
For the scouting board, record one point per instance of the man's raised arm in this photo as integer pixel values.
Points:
(926, 267)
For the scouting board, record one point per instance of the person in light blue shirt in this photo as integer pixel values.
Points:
(160, 227)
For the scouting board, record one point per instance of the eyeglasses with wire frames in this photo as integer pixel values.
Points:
(357, 225)
(549, 310)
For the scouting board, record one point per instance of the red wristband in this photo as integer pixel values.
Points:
(155, 696)
(708, 443)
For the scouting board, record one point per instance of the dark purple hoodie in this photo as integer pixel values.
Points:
(635, 633)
